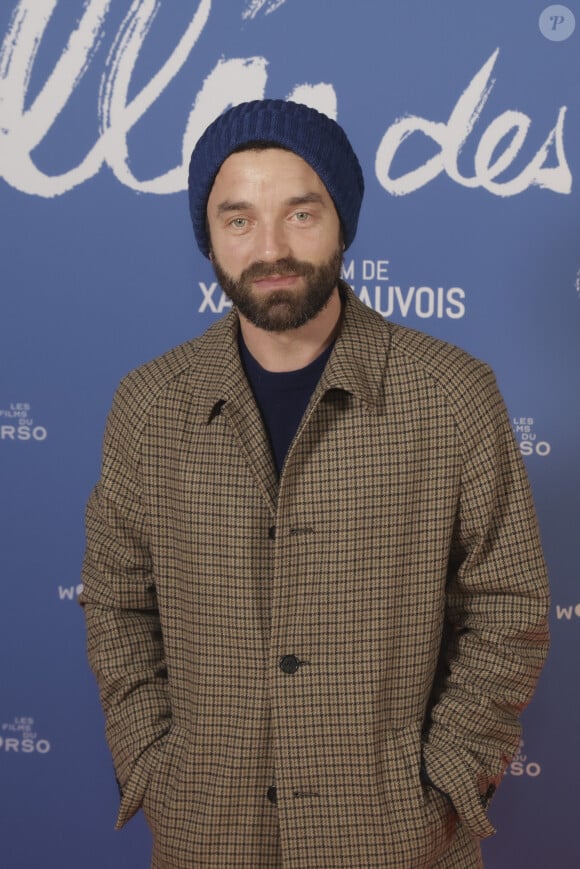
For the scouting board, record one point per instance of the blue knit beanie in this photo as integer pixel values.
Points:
(313, 136)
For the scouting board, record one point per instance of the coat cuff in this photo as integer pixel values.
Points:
(133, 791)
(468, 789)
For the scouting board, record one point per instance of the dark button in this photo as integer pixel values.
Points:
(272, 532)
(289, 664)
(272, 794)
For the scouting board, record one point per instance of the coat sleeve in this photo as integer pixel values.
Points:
(124, 640)
(496, 611)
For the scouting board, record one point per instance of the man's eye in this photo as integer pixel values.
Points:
(239, 222)
(302, 216)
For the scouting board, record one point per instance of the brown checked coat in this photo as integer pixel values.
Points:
(376, 615)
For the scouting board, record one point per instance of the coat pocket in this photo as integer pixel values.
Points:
(421, 820)
(164, 778)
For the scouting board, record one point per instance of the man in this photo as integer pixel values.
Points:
(315, 594)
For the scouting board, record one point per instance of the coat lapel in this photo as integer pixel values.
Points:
(228, 394)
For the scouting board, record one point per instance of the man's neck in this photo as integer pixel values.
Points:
(295, 348)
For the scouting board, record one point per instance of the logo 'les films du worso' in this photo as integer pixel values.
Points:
(19, 736)
(17, 424)
(525, 431)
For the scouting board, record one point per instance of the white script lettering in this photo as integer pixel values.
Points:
(22, 129)
(26, 122)
(508, 130)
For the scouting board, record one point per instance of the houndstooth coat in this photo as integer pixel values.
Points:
(325, 670)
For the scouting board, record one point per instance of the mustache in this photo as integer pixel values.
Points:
(282, 267)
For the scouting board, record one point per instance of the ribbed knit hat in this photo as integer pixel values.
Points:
(320, 141)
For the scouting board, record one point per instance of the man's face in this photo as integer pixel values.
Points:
(275, 238)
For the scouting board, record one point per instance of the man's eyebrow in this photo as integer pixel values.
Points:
(306, 199)
(228, 205)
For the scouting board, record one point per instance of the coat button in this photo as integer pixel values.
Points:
(289, 664)
(272, 532)
(271, 794)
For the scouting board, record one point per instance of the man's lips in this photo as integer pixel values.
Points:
(276, 282)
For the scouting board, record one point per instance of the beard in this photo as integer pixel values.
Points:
(282, 310)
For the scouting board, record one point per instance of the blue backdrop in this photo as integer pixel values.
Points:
(466, 120)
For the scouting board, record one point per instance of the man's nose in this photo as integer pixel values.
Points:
(271, 240)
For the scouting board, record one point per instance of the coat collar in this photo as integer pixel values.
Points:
(356, 365)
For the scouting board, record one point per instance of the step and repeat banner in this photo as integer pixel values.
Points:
(466, 118)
